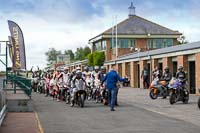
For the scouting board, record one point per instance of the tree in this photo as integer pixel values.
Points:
(96, 59)
(90, 59)
(182, 40)
(52, 54)
(70, 53)
(82, 53)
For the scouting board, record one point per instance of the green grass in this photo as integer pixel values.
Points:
(2, 73)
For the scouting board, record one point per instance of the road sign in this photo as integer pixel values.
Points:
(63, 59)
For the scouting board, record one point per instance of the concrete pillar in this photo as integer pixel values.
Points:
(154, 63)
(183, 60)
(167, 61)
(133, 77)
(197, 73)
(123, 69)
(119, 68)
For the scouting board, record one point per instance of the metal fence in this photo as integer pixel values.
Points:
(22, 82)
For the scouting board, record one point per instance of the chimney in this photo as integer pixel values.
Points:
(131, 10)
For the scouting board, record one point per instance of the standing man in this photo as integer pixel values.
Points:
(111, 79)
(145, 77)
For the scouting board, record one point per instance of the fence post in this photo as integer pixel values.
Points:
(14, 83)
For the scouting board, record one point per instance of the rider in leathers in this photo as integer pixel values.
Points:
(167, 75)
(78, 84)
(181, 75)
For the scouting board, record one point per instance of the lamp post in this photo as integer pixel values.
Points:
(138, 50)
(6, 55)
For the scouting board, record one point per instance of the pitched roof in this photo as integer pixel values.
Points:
(177, 48)
(140, 26)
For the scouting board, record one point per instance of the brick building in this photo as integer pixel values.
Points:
(142, 43)
(187, 55)
(131, 35)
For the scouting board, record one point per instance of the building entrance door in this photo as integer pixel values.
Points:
(191, 76)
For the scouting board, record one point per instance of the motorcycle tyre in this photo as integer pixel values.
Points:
(152, 95)
(82, 99)
(199, 103)
(186, 99)
(172, 98)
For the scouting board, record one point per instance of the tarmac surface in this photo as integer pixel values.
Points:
(137, 113)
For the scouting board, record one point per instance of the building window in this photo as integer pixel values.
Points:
(123, 43)
(159, 43)
(100, 45)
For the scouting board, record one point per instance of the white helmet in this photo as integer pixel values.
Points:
(96, 67)
(66, 68)
(78, 68)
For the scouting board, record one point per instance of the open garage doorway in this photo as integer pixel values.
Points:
(174, 68)
(191, 76)
(149, 72)
(160, 67)
(138, 75)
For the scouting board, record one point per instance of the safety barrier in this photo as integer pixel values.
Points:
(22, 82)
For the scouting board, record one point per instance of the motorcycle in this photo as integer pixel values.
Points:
(97, 93)
(34, 84)
(104, 95)
(41, 86)
(90, 87)
(158, 89)
(178, 91)
(78, 98)
(67, 93)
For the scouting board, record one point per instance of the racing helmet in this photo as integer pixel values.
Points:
(180, 67)
(66, 68)
(78, 68)
(96, 67)
(103, 67)
(86, 68)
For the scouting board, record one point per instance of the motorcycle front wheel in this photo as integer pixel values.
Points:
(186, 98)
(199, 103)
(82, 100)
(172, 98)
(153, 93)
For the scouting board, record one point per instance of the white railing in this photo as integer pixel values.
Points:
(2, 105)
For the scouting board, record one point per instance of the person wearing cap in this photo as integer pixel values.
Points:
(111, 78)
(181, 75)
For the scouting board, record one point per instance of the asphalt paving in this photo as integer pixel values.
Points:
(58, 117)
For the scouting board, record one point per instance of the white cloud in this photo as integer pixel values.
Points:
(62, 27)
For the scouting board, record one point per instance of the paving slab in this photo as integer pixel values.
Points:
(20, 123)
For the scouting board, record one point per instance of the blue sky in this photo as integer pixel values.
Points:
(68, 24)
